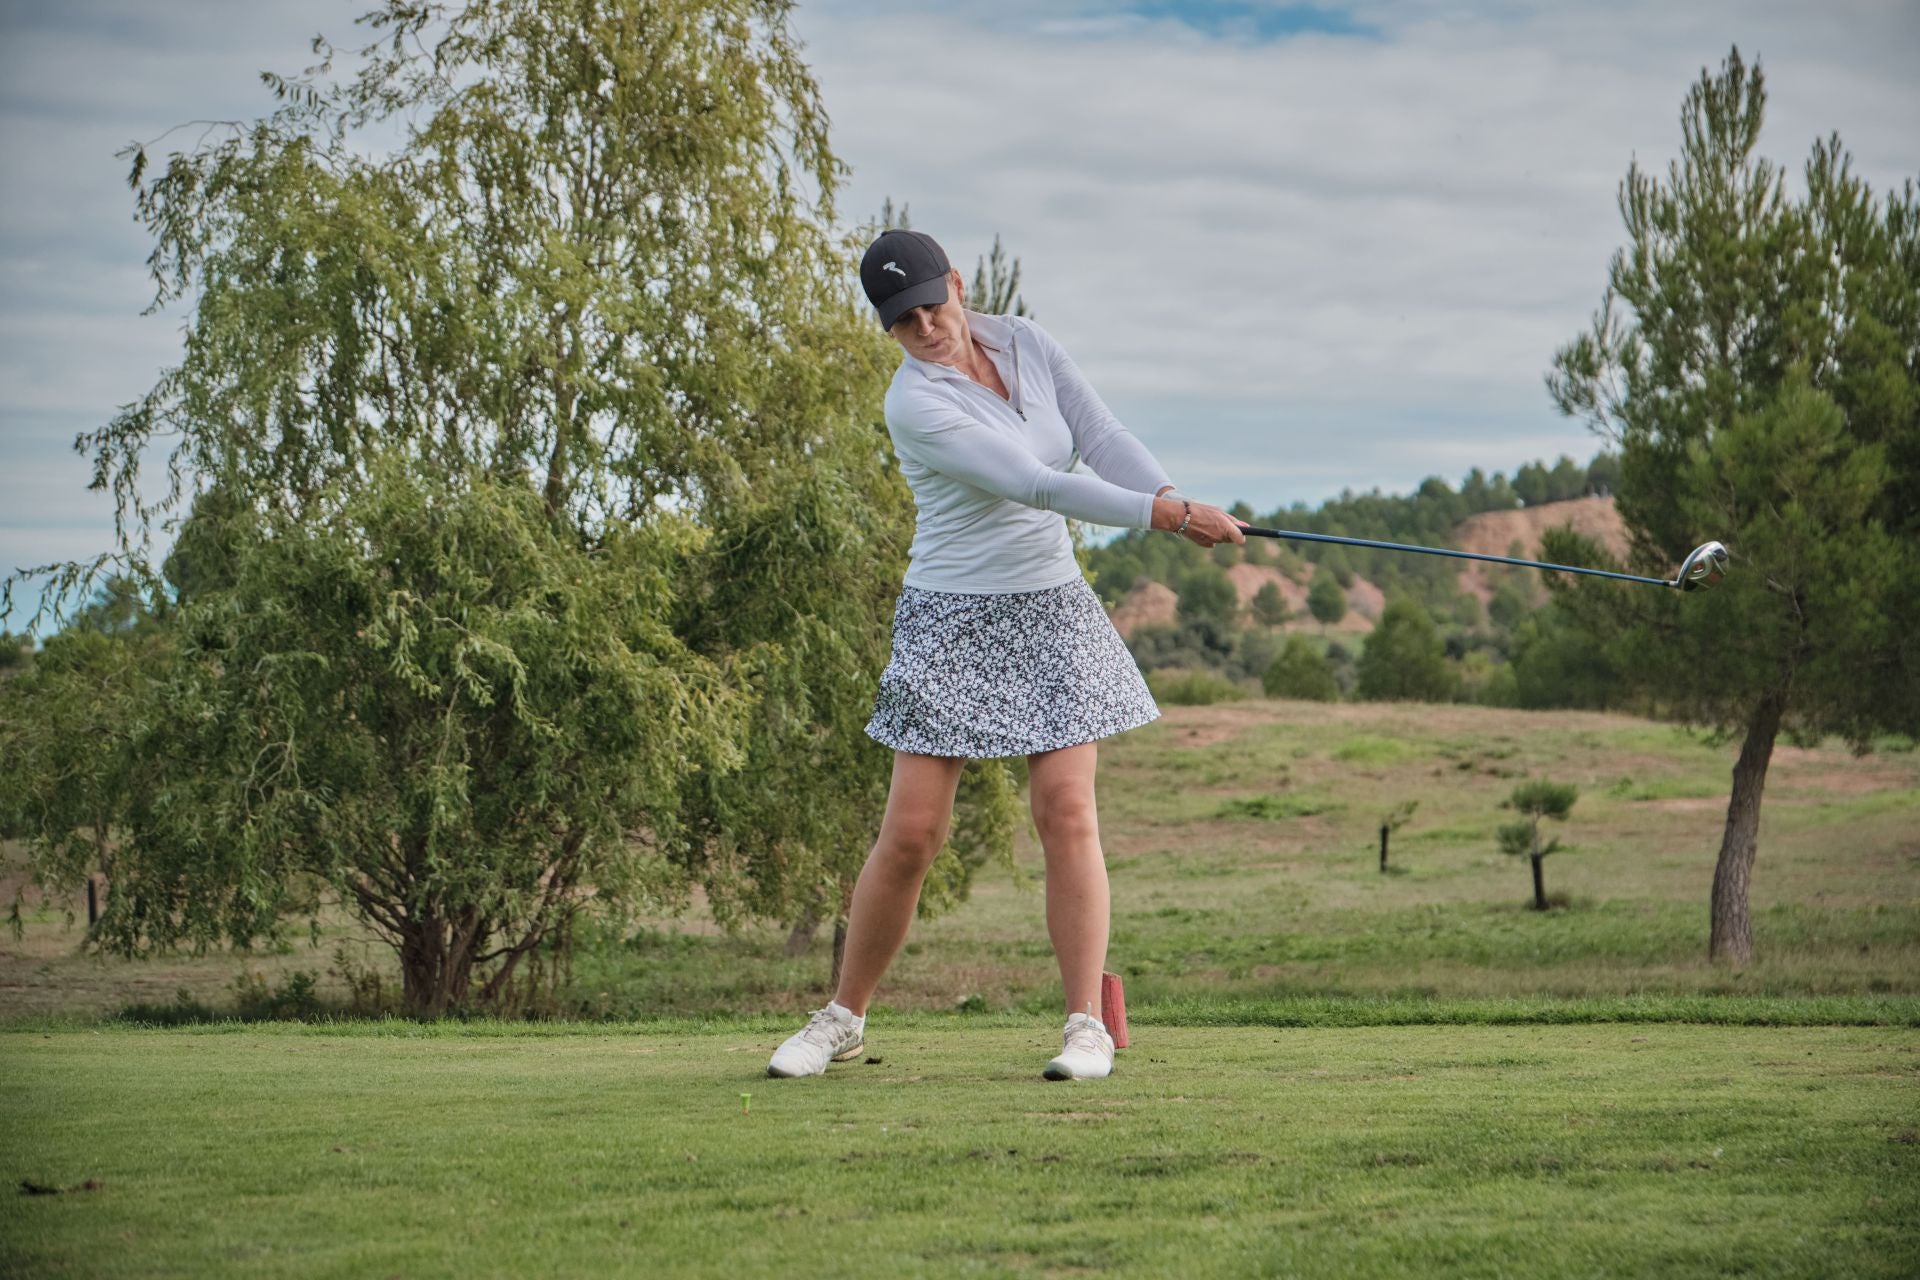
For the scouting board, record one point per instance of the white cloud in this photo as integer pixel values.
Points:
(1292, 265)
(1392, 233)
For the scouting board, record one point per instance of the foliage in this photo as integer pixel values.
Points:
(1511, 604)
(1268, 606)
(1301, 671)
(1556, 662)
(434, 703)
(64, 735)
(1756, 361)
(1400, 815)
(1535, 483)
(1207, 595)
(1192, 688)
(1199, 644)
(1325, 600)
(996, 285)
(1482, 679)
(1537, 799)
(1521, 839)
(1404, 658)
(603, 256)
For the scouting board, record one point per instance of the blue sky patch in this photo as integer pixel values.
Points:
(1252, 19)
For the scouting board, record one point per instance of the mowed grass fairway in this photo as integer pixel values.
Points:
(491, 1150)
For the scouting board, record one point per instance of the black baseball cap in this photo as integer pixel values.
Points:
(902, 270)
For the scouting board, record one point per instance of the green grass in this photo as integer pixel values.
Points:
(1272, 807)
(1366, 749)
(1243, 841)
(486, 1150)
(1680, 788)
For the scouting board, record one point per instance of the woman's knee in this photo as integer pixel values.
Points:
(1066, 819)
(909, 843)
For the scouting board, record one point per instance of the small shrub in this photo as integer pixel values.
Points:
(184, 1010)
(1271, 807)
(1193, 688)
(368, 995)
(294, 999)
(1301, 672)
(1536, 799)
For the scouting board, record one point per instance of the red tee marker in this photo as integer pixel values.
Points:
(1113, 1008)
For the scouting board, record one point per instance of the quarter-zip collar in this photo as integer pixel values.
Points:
(995, 333)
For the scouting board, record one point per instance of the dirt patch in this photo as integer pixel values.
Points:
(1149, 604)
(1247, 579)
(1211, 726)
(1686, 804)
(1365, 602)
(1832, 772)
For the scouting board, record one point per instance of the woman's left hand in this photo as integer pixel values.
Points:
(1206, 525)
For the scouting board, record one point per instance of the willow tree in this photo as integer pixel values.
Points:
(1756, 362)
(585, 248)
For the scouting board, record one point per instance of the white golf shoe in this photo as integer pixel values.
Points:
(1088, 1054)
(832, 1034)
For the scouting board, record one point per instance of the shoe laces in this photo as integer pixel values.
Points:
(823, 1029)
(1087, 1035)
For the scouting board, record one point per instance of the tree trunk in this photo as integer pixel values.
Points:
(801, 936)
(1383, 849)
(1539, 885)
(839, 951)
(1732, 937)
(436, 969)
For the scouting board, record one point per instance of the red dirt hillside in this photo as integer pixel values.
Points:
(1493, 533)
(1153, 603)
(1149, 604)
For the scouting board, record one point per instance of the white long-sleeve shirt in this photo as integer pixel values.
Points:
(990, 477)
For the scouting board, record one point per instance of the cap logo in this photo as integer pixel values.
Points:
(895, 268)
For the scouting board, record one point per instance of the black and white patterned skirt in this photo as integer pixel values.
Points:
(1005, 675)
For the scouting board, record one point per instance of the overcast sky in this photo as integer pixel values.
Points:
(1298, 248)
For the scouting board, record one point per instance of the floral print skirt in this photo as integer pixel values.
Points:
(1011, 674)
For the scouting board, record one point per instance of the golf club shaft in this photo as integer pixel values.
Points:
(1254, 532)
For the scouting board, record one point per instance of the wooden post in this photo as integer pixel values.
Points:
(1384, 829)
(93, 903)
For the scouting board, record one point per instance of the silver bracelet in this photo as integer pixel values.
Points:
(1187, 518)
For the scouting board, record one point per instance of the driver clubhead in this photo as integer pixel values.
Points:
(1705, 565)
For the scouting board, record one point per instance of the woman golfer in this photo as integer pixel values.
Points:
(999, 646)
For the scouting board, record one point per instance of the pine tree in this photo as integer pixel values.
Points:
(1536, 799)
(1325, 600)
(1755, 363)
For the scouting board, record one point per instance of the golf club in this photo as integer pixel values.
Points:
(1705, 565)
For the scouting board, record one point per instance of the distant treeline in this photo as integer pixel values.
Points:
(1427, 516)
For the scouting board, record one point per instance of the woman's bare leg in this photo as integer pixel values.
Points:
(919, 807)
(1060, 787)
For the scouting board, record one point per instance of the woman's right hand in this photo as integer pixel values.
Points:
(1209, 526)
